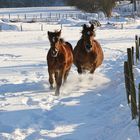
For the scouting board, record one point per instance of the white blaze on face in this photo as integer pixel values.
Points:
(53, 39)
(88, 33)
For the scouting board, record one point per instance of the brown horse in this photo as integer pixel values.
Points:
(59, 59)
(88, 54)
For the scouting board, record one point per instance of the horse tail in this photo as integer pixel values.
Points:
(70, 46)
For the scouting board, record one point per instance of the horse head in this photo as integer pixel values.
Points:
(88, 34)
(54, 38)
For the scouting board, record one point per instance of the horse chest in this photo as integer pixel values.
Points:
(88, 57)
(56, 62)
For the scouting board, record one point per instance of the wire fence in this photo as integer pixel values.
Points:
(133, 98)
(57, 18)
(49, 16)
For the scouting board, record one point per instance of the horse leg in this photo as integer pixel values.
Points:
(58, 78)
(79, 69)
(51, 80)
(93, 69)
(66, 75)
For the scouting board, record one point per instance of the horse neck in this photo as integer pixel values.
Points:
(61, 46)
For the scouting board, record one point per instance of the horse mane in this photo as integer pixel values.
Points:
(80, 42)
(61, 40)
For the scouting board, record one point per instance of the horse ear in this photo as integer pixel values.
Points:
(92, 27)
(59, 33)
(84, 26)
(48, 33)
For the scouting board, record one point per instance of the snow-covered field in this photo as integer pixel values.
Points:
(90, 107)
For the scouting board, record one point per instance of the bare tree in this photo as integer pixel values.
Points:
(107, 6)
(85, 5)
(93, 5)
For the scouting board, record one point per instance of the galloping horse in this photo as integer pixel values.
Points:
(59, 59)
(88, 54)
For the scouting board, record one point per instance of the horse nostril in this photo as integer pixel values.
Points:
(88, 46)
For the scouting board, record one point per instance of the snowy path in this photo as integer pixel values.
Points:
(89, 107)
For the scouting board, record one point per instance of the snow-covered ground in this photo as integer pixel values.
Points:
(90, 107)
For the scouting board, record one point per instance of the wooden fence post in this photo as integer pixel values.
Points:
(50, 15)
(132, 85)
(9, 16)
(61, 26)
(25, 16)
(18, 17)
(137, 48)
(21, 27)
(121, 25)
(127, 81)
(139, 107)
(59, 16)
(136, 37)
(40, 15)
(41, 27)
(132, 55)
(129, 55)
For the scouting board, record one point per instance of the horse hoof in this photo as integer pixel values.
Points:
(79, 71)
(57, 93)
(51, 87)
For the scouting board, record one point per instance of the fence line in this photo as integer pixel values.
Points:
(130, 83)
(44, 17)
(139, 108)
